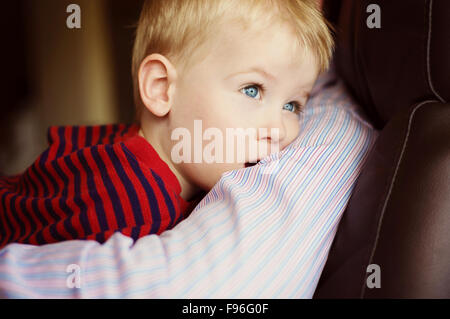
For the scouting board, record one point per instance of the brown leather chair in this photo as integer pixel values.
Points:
(399, 214)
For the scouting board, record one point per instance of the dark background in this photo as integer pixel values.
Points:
(54, 75)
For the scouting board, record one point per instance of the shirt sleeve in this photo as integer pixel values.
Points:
(261, 232)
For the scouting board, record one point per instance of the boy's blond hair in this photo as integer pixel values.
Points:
(177, 29)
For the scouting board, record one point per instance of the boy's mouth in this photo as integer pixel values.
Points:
(248, 164)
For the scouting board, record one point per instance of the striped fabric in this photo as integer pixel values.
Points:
(90, 182)
(255, 235)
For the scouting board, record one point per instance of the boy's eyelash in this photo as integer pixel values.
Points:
(298, 106)
(259, 85)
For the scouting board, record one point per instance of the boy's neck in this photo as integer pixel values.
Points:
(188, 191)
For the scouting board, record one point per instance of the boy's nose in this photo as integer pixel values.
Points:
(274, 129)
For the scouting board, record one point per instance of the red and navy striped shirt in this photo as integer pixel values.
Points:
(89, 183)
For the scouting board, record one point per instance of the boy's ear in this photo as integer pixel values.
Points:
(157, 76)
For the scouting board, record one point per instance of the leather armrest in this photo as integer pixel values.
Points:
(399, 214)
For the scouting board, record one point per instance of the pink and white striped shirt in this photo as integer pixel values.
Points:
(255, 235)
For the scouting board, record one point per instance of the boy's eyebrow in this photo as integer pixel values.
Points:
(304, 93)
(255, 70)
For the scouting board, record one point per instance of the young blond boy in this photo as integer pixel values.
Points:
(229, 63)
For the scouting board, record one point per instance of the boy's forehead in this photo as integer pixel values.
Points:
(238, 48)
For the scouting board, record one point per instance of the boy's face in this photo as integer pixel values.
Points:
(248, 79)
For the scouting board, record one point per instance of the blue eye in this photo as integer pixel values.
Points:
(291, 106)
(251, 91)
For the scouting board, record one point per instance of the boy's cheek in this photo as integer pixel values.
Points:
(292, 131)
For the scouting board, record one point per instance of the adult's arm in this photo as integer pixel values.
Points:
(255, 235)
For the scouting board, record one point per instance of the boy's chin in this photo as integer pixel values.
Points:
(207, 176)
